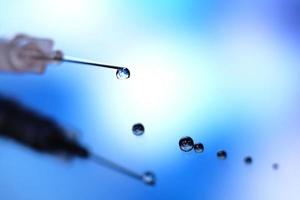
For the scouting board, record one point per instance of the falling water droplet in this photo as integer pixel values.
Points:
(138, 129)
(275, 166)
(149, 178)
(222, 155)
(123, 73)
(248, 160)
(198, 148)
(186, 144)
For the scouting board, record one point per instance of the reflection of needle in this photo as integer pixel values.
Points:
(147, 177)
(116, 167)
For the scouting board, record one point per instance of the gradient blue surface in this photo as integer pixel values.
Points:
(223, 72)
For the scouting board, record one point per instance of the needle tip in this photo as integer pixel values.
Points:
(149, 178)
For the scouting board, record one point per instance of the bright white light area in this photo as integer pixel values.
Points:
(169, 91)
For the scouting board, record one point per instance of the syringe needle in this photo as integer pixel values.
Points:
(59, 56)
(116, 167)
(122, 72)
(86, 62)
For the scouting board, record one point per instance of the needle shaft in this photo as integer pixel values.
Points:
(76, 60)
(116, 167)
(85, 62)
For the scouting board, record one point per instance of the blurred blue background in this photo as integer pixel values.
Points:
(223, 72)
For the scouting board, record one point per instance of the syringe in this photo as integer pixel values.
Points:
(45, 135)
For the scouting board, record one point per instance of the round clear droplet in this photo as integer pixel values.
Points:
(222, 155)
(138, 129)
(123, 73)
(186, 144)
(198, 148)
(248, 160)
(149, 178)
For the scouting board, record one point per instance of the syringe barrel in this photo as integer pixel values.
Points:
(36, 131)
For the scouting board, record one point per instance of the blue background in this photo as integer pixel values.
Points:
(223, 72)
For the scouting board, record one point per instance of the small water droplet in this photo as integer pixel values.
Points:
(198, 148)
(186, 144)
(222, 155)
(275, 166)
(123, 73)
(138, 129)
(248, 160)
(149, 178)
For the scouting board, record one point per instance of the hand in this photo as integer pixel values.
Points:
(24, 52)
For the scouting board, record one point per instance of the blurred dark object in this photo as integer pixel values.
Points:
(36, 131)
(45, 135)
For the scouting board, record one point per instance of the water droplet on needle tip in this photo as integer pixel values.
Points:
(123, 73)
